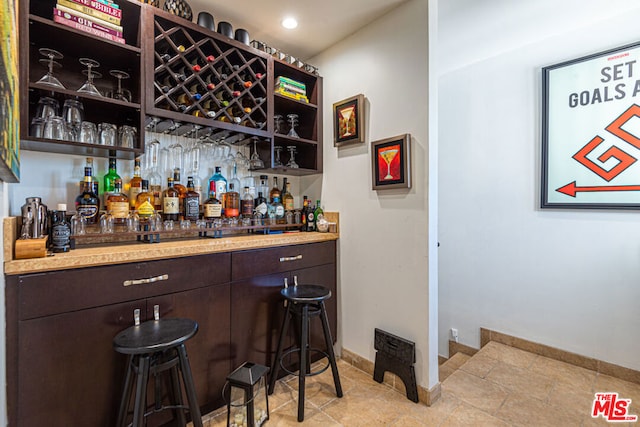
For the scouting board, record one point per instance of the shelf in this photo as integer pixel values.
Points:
(75, 148)
(293, 102)
(84, 97)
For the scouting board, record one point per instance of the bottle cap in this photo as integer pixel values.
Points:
(62, 207)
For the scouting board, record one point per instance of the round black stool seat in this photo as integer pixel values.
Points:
(154, 336)
(306, 293)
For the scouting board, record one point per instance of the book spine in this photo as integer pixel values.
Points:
(84, 20)
(93, 31)
(89, 17)
(89, 11)
(100, 6)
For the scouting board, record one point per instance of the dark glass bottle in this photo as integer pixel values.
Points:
(111, 175)
(170, 202)
(88, 202)
(60, 230)
(261, 204)
(191, 202)
(212, 206)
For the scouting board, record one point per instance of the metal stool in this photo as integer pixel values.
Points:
(304, 302)
(154, 347)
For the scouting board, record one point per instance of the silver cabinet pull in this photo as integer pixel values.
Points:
(145, 281)
(156, 312)
(136, 317)
(290, 258)
(286, 282)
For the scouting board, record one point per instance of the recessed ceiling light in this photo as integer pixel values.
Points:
(289, 23)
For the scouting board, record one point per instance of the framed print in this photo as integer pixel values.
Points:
(390, 162)
(591, 131)
(348, 121)
(9, 96)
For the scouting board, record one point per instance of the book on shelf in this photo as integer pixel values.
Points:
(69, 23)
(83, 19)
(102, 6)
(87, 10)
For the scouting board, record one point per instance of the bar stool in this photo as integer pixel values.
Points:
(153, 347)
(305, 302)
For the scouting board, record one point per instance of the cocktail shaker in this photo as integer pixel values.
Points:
(34, 218)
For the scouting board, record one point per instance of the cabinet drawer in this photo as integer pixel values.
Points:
(63, 291)
(260, 262)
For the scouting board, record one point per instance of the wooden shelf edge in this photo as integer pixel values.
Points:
(73, 93)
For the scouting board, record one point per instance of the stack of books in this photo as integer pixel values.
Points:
(291, 88)
(98, 17)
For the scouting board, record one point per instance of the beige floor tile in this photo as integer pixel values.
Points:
(444, 372)
(510, 355)
(479, 365)
(407, 421)
(287, 415)
(369, 410)
(522, 410)
(466, 415)
(457, 360)
(521, 381)
(625, 389)
(565, 373)
(482, 394)
(573, 400)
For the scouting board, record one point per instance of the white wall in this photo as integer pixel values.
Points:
(565, 278)
(383, 247)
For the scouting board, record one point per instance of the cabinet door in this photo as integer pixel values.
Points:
(256, 317)
(209, 350)
(68, 372)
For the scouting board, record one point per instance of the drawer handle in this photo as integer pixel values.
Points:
(145, 281)
(290, 258)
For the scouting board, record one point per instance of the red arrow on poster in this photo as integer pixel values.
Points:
(571, 189)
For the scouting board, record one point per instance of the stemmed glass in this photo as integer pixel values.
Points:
(255, 162)
(293, 121)
(292, 161)
(277, 120)
(49, 78)
(276, 161)
(88, 87)
(121, 94)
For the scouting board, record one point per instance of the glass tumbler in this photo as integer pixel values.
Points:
(73, 115)
(78, 224)
(126, 136)
(55, 128)
(47, 107)
(88, 133)
(107, 134)
(106, 223)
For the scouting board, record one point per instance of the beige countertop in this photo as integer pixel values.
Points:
(134, 252)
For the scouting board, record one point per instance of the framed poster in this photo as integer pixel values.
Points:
(9, 96)
(591, 131)
(348, 121)
(390, 162)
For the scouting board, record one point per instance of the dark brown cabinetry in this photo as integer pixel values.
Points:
(61, 366)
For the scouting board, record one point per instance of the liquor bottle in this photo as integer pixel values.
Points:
(212, 206)
(287, 198)
(111, 175)
(191, 202)
(304, 213)
(118, 204)
(275, 191)
(284, 187)
(88, 202)
(311, 219)
(60, 230)
(260, 204)
(264, 185)
(170, 202)
(145, 202)
(231, 203)
(220, 183)
(135, 184)
(234, 177)
(318, 214)
(246, 204)
(276, 210)
(182, 190)
(94, 180)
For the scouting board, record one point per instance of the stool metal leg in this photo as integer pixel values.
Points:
(329, 343)
(275, 367)
(189, 386)
(304, 354)
(126, 394)
(177, 396)
(140, 403)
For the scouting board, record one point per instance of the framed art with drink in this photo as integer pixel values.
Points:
(390, 162)
(348, 121)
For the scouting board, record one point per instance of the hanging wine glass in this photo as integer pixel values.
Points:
(277, 121)
(121, 94)
(88, 87)
(255, 162)
(276, 162)
(176, 150)
(49, 78)
(293, 121)
(292, 160)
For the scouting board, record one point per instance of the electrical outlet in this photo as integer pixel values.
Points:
(454, 334)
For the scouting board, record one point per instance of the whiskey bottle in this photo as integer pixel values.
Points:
(118, 203)
(94, 180)
(182, 190)
(287, 198)
(145, 202)
(246, 204)
(135, 184)
(304, 213)
(275, 191)
(88, 202)
(191, 202)
(212, 206)
(111, 175)
(170, 202)
(231, 203)
(60, 230)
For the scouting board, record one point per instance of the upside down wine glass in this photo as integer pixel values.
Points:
(292, 160)
(293, 121)
(50, 63)
(88, 87)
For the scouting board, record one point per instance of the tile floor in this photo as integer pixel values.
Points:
(499, 386)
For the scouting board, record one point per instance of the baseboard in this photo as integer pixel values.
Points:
(428, 397)
(599, 366)
(456, 347)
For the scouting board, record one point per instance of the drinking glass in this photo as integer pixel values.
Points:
(126, 136)
(47, 107)
(106, 223)
(255, 162)
(37, 127)
(293, 121)
(133, 221)
(121, 94)
(276, 161)
(49, 78)
(54, 128)
(88, 133)
(78, 224)
(73, 114)
(155, 222)
(277, 121)
(292, 160)
(107, 134)
(168, 225)
(88, 87)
